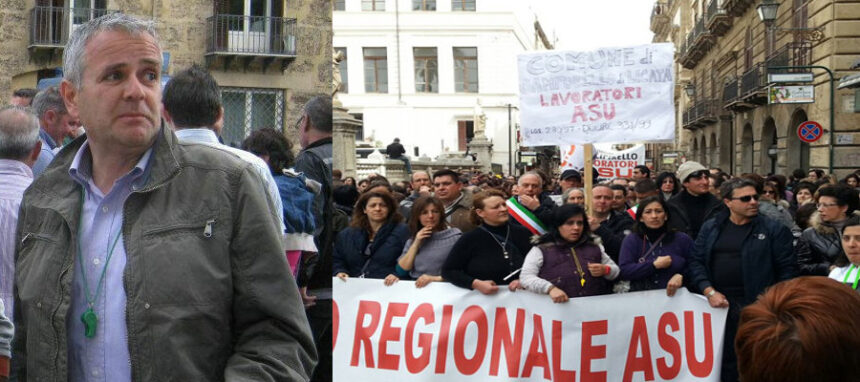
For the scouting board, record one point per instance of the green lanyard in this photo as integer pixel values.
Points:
(89, 317)
(856, 278)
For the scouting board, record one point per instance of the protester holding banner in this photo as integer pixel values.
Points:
(668, 184)
(369, 247)
(491, 254)
(567, 262)
(847, 264)
(737, 255)
(432, 239)
(654, 257)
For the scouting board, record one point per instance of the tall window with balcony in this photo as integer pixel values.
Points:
(340, 5)
(463, 5)
(423, 5)
(54, 20)
(342, 67)
(373, 5)
(251, 27)
(426, 77)
(375, 70)
(466, 70)
(249, 109)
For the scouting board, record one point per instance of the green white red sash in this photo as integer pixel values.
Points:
(524, 216)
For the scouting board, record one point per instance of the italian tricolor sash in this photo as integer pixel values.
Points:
(525, 217)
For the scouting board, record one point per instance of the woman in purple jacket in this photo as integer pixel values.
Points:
(652, 256)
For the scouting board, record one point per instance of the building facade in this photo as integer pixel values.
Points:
(723, 52)
(421, 70)
(268, 56)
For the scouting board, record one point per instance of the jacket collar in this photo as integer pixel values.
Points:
(56, 186)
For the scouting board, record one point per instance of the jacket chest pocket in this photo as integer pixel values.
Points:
(185, 263)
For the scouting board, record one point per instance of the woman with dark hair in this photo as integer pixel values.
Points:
(296, 196)
(819, 245)
(491, 254)
(653, 256)
(847, 263)
(432, 239)
(349, 181)
(852, 180)
(567, 262)
(668, 184)
(804, 193)
(369, 247)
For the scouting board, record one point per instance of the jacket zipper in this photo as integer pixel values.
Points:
(207, 231)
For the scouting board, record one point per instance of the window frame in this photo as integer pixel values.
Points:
(376, 69)
(375, 5)
(431, 75)
(464, 70)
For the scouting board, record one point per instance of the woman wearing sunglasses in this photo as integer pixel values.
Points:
(819, 245)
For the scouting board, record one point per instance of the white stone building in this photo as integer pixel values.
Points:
(416, 69)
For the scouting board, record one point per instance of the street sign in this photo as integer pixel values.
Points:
(810, 131)
(789, 77)
(791, 94)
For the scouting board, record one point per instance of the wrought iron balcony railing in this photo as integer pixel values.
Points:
(50, 27)
(251, 35)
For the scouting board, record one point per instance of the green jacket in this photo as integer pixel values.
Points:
(220, 306)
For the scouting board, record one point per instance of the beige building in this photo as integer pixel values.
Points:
(268, 56)
(723, 50)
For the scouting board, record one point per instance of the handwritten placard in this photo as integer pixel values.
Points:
(617, 95)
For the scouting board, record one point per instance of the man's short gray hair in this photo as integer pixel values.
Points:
(318, 110)
(534, 173)
(48, 99)
(73, 57)
(728, 188)
(19, 132)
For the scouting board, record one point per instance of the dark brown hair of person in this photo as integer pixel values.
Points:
(478, 203)
(418, 208)
(803, 329)
(359, 218)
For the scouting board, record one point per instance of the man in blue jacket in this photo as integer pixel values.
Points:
(736, 256)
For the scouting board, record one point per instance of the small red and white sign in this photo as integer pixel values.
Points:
(810, 131)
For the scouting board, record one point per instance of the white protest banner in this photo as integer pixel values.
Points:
(444, 333)
(618, 95)
(609, 163)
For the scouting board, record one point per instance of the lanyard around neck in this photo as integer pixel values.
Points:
(856, 278)
(89, 318)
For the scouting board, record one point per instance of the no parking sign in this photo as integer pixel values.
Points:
(809, 131)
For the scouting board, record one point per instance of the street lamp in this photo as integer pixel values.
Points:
(690, 89)
(767, 12)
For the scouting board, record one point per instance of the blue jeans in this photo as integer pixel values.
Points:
(406, 163)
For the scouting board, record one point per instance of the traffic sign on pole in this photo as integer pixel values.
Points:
(809, 131)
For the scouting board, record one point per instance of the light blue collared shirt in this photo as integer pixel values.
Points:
(104, 357)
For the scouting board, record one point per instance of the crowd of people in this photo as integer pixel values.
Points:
(726, 237)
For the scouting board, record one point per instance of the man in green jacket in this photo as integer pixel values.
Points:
(143, 259)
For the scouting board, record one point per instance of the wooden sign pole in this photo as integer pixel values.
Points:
(589, 180)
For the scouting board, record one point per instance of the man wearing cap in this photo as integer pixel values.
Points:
(694, 203)
(570, 178)
(395, 151)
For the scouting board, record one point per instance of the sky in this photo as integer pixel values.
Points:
(591, 24)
